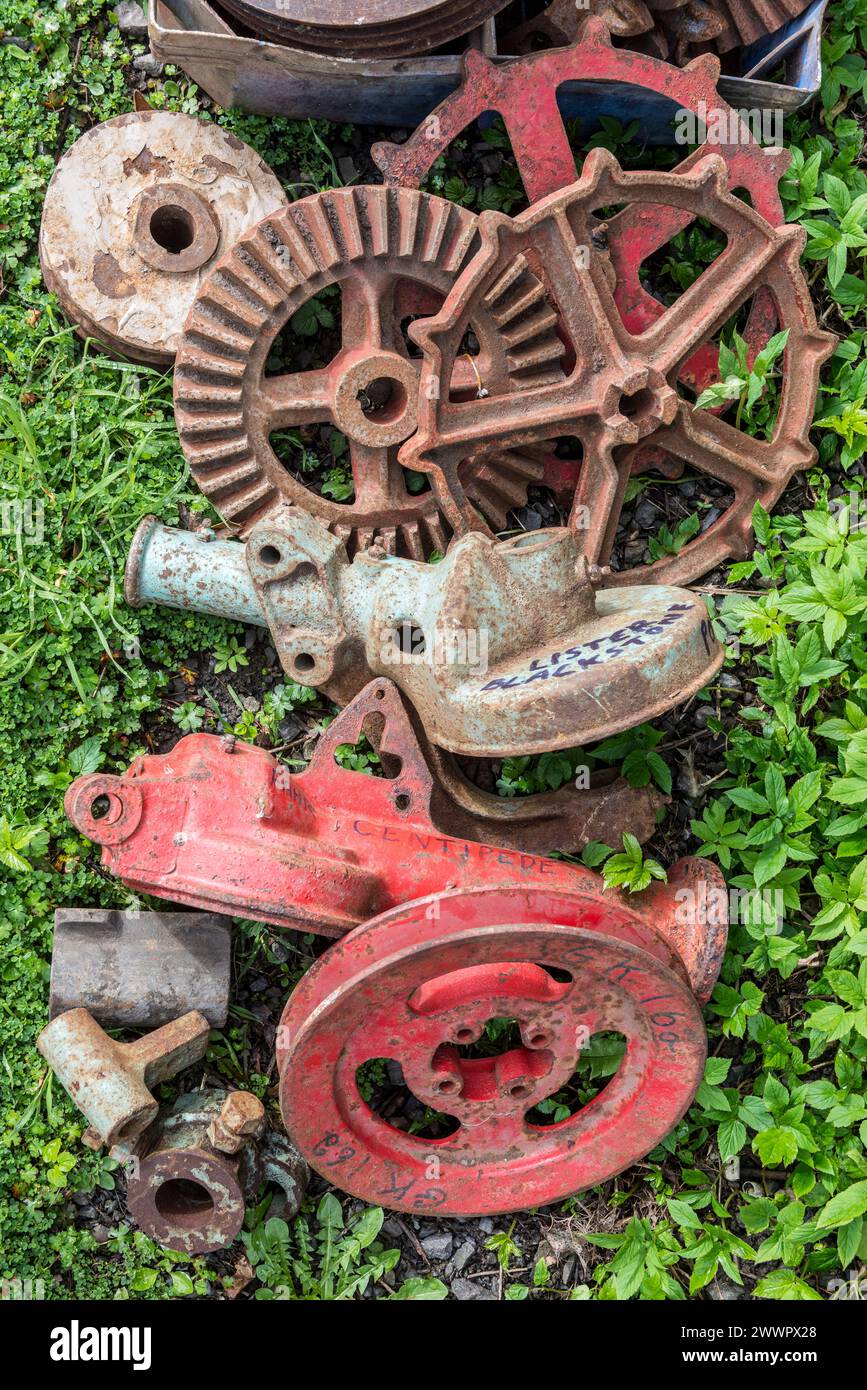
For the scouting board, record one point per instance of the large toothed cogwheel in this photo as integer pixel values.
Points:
(621, 396)
(524, 94)
(137, 212)
(393, 254)
(417, 987)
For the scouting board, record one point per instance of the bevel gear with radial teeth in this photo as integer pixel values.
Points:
(136, 212)
(621, 390)
(395, 254)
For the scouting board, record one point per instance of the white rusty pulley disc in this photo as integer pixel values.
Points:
(135, 215)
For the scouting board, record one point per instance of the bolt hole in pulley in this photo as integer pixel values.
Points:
(269, 555)
(172, 228)
(100, 807)
(305, 662)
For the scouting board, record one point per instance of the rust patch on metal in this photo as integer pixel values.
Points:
(418, 985)
(227, 828)
(111, 1082)
(380, 29)
(620, 398)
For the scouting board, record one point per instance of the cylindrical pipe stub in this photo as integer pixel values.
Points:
(89, 1066)
(191, 570)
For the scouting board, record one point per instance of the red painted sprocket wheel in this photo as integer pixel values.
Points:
(417, 985)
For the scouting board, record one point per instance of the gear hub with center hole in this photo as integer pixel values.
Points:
(623, 393)
(392, 254)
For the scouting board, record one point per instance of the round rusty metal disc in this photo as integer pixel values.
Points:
(136, 213)
(393, 255)
(385, 29)
(418, 985)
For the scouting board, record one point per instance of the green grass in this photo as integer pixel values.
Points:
(91, 445)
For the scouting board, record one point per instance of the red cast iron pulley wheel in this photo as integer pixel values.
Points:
(393, 254)
(419, 983)
(621, 396)
(377, 29)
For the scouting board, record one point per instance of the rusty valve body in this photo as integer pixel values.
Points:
(200, 1163)
(111, 1082)
(503, 647)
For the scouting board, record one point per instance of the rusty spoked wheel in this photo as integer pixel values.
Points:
(621, 399)
(418, 985)
(379, 29)
(393, 254)
(524, 93)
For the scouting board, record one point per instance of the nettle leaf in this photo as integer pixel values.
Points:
(784, 1284)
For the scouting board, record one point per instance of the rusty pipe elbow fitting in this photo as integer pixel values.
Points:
(190, 1193)
(111, 1082)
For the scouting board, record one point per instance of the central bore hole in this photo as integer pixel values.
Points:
(304, 662)
(383, 399)
(183, 1202)
(172, 228)
(269, 555)
(100, 807)
(639, 404)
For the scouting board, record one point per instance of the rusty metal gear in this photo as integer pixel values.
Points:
(394, 254)
(688, 28)
(136, 213)
(418, 985)
(675, 29)
(379, 29)
(560, 22)
(524, 93)
(622, 390)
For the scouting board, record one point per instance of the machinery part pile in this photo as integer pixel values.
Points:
(140, 969)
(392, 254)
(418, 985)
(503, 647)
(111, 1082)
(221, 824)
(386, 29)
(136, 213)
(622, 392)
(673, 29)
(200, 1163)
